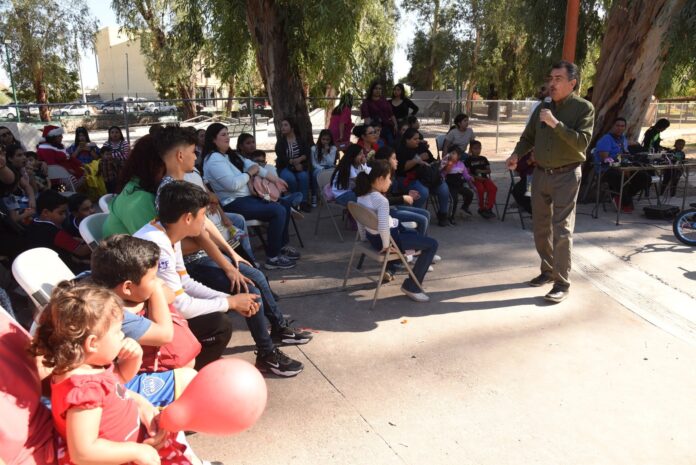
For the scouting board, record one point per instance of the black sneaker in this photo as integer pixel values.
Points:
(280, 262)
(290, 252)
(488, 214)
(540, 280)
(278, 363)
(557, 294)
(290, 336)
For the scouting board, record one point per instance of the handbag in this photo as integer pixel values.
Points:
(265, 189)
(429, 175)
(178, 353)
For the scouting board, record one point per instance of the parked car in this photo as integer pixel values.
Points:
(72, 110)
(160, 107)
(8, 112)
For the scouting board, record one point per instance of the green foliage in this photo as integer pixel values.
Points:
(678, 77)
(44, 49)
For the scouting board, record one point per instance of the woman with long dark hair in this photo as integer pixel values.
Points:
(293, 161)
(228, 174)
(341, 122)
(376, 110)
(83, 149)
(343, 178)
(401, 104)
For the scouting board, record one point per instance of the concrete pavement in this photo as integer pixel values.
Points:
(487, 372)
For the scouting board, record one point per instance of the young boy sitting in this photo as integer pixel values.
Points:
(480, 169)
(457, 177)
(182, 208)
(128, 266)
(46, 231)
(79, 208)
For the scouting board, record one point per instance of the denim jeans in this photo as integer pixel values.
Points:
(411, 240)
(206, 271)
(406, 213)
(240, 223)
(293, 198)
(442, 192)
(298, 181)
(270, 306)
(346, 197)
(276, 214)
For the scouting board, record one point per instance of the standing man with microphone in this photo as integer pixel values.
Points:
(559, 131)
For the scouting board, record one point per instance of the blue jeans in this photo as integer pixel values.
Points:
(276, 214)
(240, 223)
(442, 192)
(270, 306)
(406, 213)
(411, 240)
(206, 271)
(298, 181)
(346, 197)
(293, 198)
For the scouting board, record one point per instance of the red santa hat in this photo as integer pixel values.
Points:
(52, 131)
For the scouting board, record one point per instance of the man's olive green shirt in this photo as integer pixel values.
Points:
(566, 143)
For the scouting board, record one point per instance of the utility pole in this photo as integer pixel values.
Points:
(79, 71)
(127, 78)
(9, 70)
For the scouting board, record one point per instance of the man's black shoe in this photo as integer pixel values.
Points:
(557, 294)
(540, 280)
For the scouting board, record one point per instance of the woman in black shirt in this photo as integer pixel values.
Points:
(401, 103)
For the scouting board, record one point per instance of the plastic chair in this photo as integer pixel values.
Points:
(58, 173)
(368, 218)
(91, 229)
(38, 271)
(104, 202)
(323, 180)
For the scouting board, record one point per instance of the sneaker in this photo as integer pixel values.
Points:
(291, 252)
(388, 277)
(296, 214)
(436, 258)
(290, 336)
(540, 280)
(557, 294)
(466, 210)
(431, 269)
(280, 262)
(482, 213)
(416, 296)
(452, 221)
(314, 201)
(627, 209)
(488, 214)
(278, 363)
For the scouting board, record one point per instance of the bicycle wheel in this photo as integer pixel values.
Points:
(684, 227)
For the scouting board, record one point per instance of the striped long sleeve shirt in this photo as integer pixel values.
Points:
(380, 205)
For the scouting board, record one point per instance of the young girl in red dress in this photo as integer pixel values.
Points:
(80, 337)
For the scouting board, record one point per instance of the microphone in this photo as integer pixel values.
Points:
(546, 105)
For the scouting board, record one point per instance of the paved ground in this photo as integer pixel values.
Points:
(487, 372)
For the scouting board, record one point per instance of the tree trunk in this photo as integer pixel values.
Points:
(329, 103)
(472, 81)
(280, 77)
(434, 30)
(631, 61)
(231, 89)
(185, 91)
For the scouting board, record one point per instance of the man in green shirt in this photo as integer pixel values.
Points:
(559, 131)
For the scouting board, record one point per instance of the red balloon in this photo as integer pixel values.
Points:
(226, 397)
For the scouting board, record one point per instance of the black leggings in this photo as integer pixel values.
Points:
(213, 331)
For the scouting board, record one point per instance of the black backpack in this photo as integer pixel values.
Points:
(661, 212)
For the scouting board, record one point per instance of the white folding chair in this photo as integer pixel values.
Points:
(58, 173)
(368, 218)
(38, 271)
(91, 229)
(104, 202)
(323, 180)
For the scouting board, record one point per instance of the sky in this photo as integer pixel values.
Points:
(101, 9)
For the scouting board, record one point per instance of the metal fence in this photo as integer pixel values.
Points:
(497, 123)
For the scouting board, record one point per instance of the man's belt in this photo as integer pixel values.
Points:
(560, 169)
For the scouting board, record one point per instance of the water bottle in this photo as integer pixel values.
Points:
(528, 190)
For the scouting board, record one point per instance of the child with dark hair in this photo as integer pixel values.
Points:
(370, 189)
(79, 208)
(671, 177)
(37, 172)
(46, 231)
(83, 149)
(480, 169)
(457, 177)
(128, 266)
(182, 209)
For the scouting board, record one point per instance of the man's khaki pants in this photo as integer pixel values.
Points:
(554, 197)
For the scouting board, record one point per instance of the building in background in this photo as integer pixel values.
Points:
(122, 71)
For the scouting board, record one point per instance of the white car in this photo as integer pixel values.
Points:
(160, 107)
(8, 112)
(72, 110)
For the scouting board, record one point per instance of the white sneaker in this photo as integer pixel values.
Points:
(436, 258)
(416, 296)
(409, 258)
(430, 268)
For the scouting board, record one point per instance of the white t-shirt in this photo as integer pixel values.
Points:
(460, 138)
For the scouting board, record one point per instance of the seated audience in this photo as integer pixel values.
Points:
(609, 149)
(114, 155)
(414, 172)
(370, 189)
(652, 139)
(480, 169)
(353, 161)
(460, 134)
(46, 231)
(458, 180)
(79, 208)
(522, 190)
(323, 158)
(368, 138)
(182, 214)
(228, 174)
(671, 177)
(37, 172)
(7, 137)
(341, 122)
(52, 152)
(83, 149)
(293, 161)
